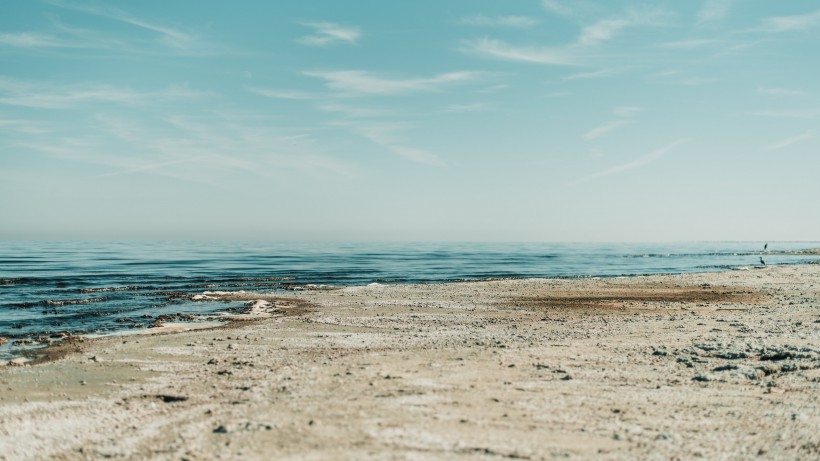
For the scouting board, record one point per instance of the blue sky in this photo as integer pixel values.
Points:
(538, 120)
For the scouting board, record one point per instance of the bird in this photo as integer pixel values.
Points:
(762, 261)
(765, 246)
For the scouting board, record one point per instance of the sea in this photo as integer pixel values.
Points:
(52, 288)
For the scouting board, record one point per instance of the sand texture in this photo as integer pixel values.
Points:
(711, 366)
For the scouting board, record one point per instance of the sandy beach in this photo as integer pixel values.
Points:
(715, 366)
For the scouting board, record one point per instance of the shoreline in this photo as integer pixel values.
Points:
(527, 368)
(32, 354)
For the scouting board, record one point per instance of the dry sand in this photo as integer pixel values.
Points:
(713, 366)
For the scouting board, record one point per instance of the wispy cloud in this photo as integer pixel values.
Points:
(779, 91)
(579, 52)
(135, 35)
(23, 126)
(498, 49)
(627, 111)
(558, 7)
(783, 143)
(600, 73)
(32, 40)
(166, 35)
(353, 111)
(521, 22)
(199, 147)
(635, 164)
(329, 33)
(558, 94)
(367, 83)
(570, 8)
(388, 135)
(475, 107)
(597, 132)
(677, 78)
(64, 37)
(284, 94)
(792, 23)
(607, 29)
(713, 10)
(792, 113)
(49, 95)
(417, 155)
(689, 44)
(494, 88)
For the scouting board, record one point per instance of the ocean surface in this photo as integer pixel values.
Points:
(48, 288)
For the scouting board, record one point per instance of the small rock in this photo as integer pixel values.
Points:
(725, 367)
(171, 398)
(221, 430)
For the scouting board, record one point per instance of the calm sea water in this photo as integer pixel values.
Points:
(102, 287)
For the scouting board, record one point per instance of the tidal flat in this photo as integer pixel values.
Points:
(721, 365)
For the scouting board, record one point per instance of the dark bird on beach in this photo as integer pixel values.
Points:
(762, 261)
(765, 246)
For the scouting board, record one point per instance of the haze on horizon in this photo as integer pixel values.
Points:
(539, 120)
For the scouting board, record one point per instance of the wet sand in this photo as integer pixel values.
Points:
(713, 366)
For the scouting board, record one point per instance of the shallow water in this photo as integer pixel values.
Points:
(102, 287)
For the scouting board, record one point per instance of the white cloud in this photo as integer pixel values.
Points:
(576, 53)
(570, 8)
(500, 50)
(595, 73)
(23, 126)
(49, 95)
(791, 23)
(557, 7)
(521, 22)
(284, 94)
(558, 94)
(167, 35)
(635, 164)
(202, 147)
(363, 82)
(783, 143)
(601, 31)
(627, 111)
(388, 135)
(794, 113)
(416, 155)
(328, 33)
(607, 29)
(476, 107)
(780, 91)
(688, 44)
(353, 111)
(597, 132)
(713, 10)
(494, 88)
(142, 37)
(32, 40)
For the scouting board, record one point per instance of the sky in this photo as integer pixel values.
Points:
(466, 120)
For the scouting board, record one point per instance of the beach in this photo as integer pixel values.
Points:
(720, 365)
